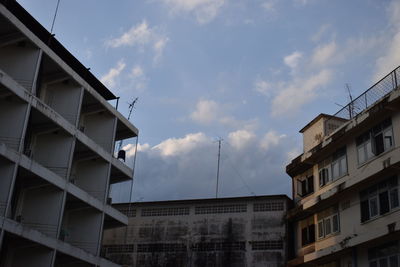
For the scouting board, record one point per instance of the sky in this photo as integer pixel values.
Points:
(250, 72)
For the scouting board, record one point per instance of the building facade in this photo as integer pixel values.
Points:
(346, 184)
(242, 231)
(57, 139)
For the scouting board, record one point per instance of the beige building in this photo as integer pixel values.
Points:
(346, 184)
(57, 139)
(223, 232)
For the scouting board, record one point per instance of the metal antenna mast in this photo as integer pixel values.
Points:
(351, 105)
(131, 107)
(219, 157)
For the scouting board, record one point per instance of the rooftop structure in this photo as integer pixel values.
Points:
(57, 141)
(346, 183)
(240, 231)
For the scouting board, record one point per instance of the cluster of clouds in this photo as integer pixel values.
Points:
(311, 73)
(182, 168)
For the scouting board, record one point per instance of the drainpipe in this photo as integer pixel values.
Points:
(354, 257)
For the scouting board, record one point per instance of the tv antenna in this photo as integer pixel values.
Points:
(131, 107)
(219, 158)
(351, 104)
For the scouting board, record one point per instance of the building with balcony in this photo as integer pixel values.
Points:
(346, 184)
(57, 139)
(231, 232)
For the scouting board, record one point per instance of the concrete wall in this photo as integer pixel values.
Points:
(345, 191)
(92, 176)
(12, 114)
(200, 237)
(20, 62)
(53, 150)
(6, 178)
(40, 207)
(64, 97)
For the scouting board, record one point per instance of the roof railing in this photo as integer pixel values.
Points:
(376, 92)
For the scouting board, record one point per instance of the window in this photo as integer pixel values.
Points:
(267, 245)
(328, 222)
(305, 186)
(375, 141)
(268, 206)
(307, 231)
(333, 167)
(385, 256)
(379, 199)
(234, 208)
(148, 212)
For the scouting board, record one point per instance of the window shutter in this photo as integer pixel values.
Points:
(384, 202)
(310, 181)
(304, 236)
(364, 210)
(311, 232)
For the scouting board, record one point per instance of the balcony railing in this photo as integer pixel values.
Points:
(376, 92)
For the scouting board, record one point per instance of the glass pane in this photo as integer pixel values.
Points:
(320, 229)
(373, 206)
(394, 198)
(335, 223)
(361, 154)
(335, 169)
(327, 226)
(343, 166)
(394, 261)
(369, 150)
(383, 262)
(388, 138)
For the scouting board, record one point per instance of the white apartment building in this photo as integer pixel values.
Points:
(57, 139)
(217, 232)
(346, 184)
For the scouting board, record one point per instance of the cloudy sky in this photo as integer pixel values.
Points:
(252, 72)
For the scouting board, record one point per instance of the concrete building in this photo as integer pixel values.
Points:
(346, 184)
(242, 231)
(57, 138)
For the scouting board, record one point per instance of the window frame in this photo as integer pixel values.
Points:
(324, 222)
(326, 171)
(308, 182)
(381, 194)
(367, 143)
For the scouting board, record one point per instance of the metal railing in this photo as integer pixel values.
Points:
(376, 92)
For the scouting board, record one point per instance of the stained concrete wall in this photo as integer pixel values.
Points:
(20, 62)
(12, 117)
(221, 235)
(64, 97)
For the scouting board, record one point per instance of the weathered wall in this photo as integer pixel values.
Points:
(223, 234)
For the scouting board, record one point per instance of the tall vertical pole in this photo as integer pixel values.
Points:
(219, 157)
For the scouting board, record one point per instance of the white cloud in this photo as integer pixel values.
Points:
(185, 167)
(109, 79)
(269, 5)
(141, 35)
(293, 59)
(324, 54)
(137, 71)
(240, 138)
(263, 87)
(293, 95)
(391, 57)
(175, 146)
(206, 111)
(204, 10)
(323, 29)
(271, 139)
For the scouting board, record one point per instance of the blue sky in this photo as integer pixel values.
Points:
(252, 72)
